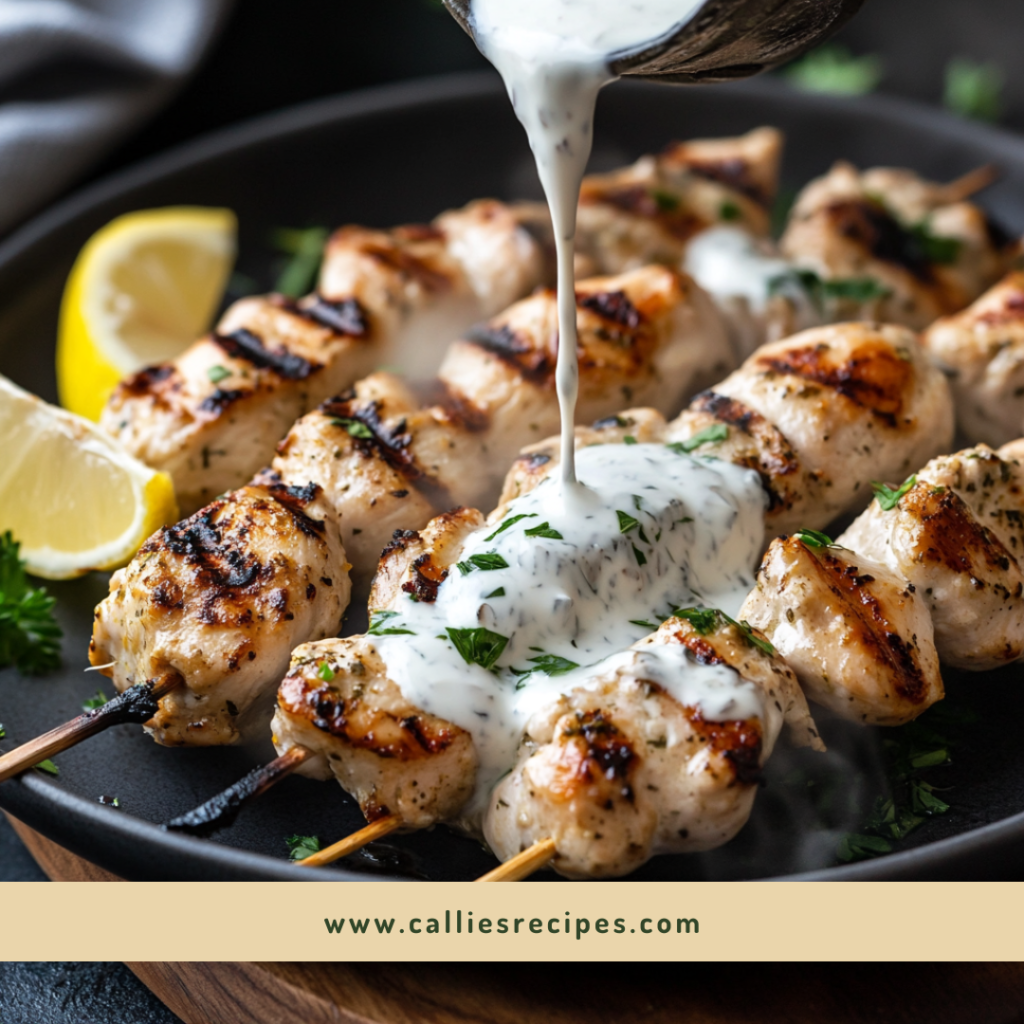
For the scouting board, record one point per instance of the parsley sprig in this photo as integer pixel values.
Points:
(379, 625)
(704, 620)
(909, 799)
(552, 664)
(487, 561)
(301, 847)
(709, 435)
(478, 646)
(511, 521)
(305, 249)
(95, 702)
(814, 538)
(29, 634)
(888, 498)
(854, 289)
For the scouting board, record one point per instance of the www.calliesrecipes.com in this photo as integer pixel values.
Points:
(459, 923)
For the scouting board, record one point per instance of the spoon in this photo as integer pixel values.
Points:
(724, 39)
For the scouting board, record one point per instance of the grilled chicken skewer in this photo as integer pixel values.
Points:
(935, 558)
(889, 245)
(818, 416)
(883, 244)
(212, 417)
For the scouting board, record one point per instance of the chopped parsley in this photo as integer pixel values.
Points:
(908, 799)
(29, 634)
(355, 428)
(500, 592)
(217, 374)
(325, 672)
(833, 69)
(974, 89)
(552, 664)
(667, 201)
(95, 702)
(729, 211)
(301, 847)
(305, 249)
(641, 558)
(477, 646)
(716, 432)
(855, 289)
(626, 522)
(935, 248)
(629, 439)
(750, 636)
(886, 497)
(379, 627)
(49, 767)
(703, 620)
(814, 538)
(543, 530)
(488, 562)
(511, 521)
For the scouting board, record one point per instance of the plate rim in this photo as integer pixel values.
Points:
(43, 802)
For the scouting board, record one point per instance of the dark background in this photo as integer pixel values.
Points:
(273, 55)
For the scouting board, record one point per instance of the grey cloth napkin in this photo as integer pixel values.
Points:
(78, 75)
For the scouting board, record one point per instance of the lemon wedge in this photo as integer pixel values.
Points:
(141, 291)
(73, 497)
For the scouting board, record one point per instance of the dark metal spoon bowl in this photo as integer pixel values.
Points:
(725, 39)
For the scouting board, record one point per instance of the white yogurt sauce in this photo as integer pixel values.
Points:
(554, 57)
(728, 262)
(653, 531)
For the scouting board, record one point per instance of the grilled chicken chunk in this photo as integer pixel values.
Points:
(858, 636)
(957, 534)
(389, 456)
(890, 246)
(221, 599)
(648, 212)
(981, 350)
(821, 414)
(393, 757)
(211, 417)
(620, 770)
(817, 416)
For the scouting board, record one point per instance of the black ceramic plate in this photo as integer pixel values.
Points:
(402, 154)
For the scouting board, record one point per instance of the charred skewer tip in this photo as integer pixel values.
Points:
(221, 810)
(137, 704)
(523, 864)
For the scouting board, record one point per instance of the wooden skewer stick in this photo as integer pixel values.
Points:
(970, 183)
(375, 830)
(524, 864)
(222, 809)
(136, 704)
